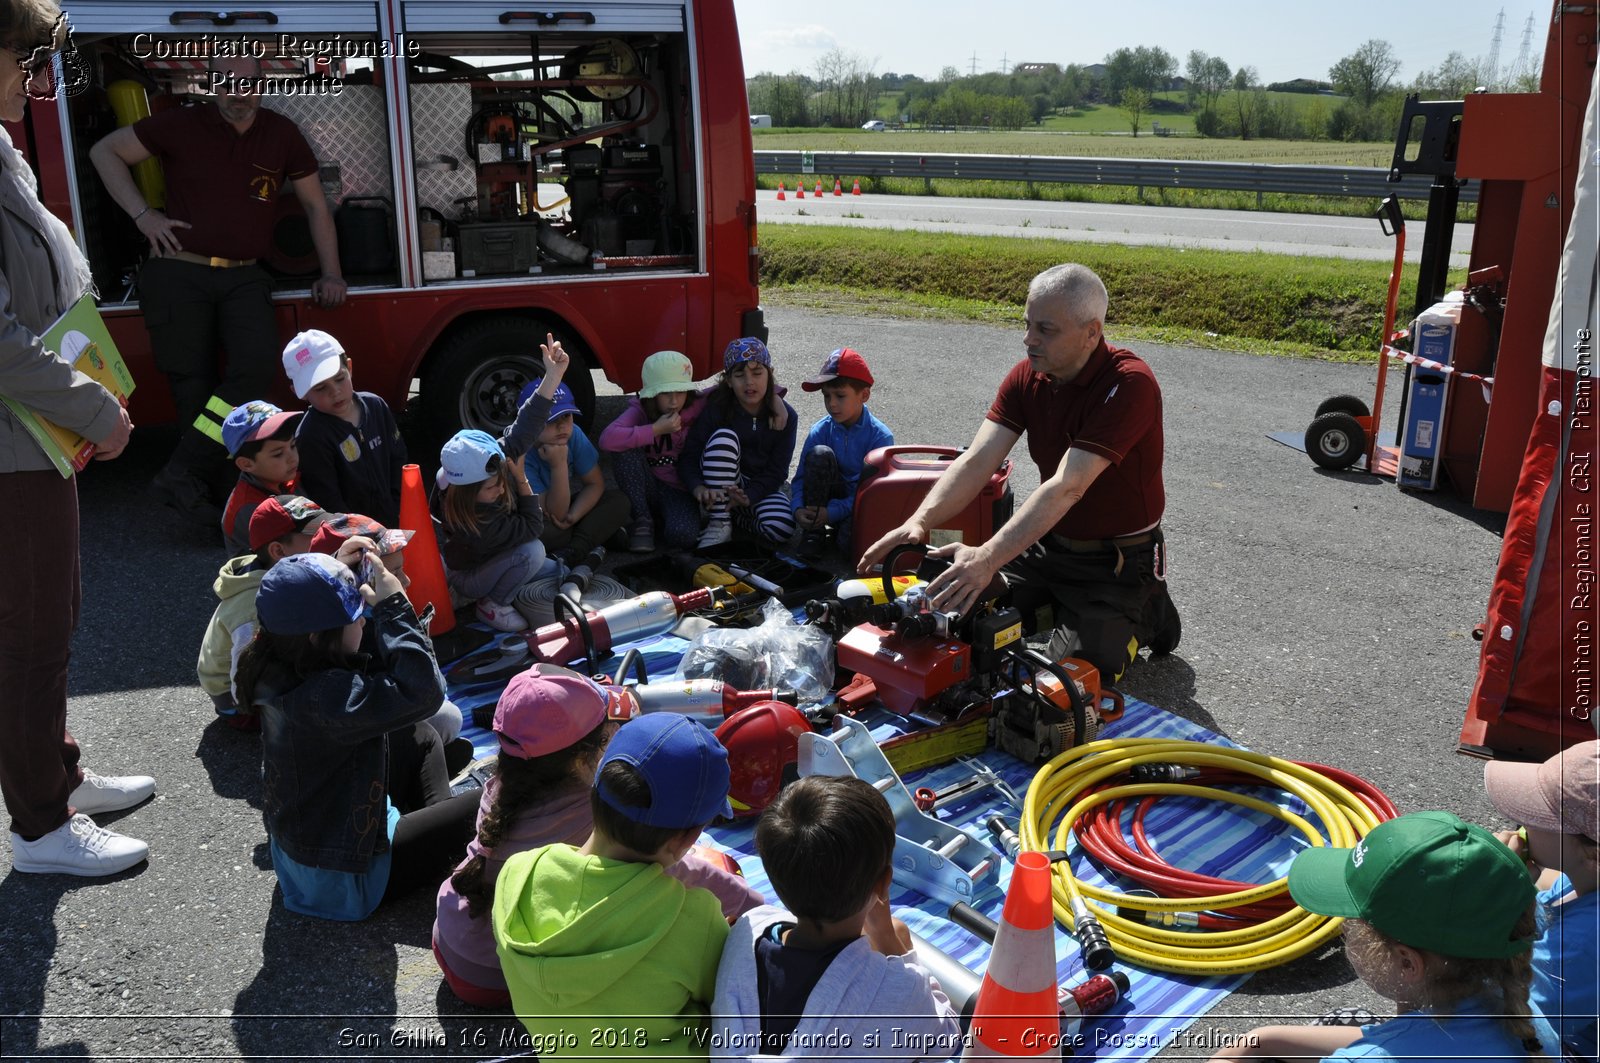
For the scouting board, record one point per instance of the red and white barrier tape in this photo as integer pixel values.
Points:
(1440, 367)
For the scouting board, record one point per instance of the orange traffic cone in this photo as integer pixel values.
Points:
(838, 189)
(1017, 1015)
(819, 188)
(423, 563)
(800, 188)
(855, 186)
(780, 191)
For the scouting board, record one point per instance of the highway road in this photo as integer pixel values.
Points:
(1319, 235)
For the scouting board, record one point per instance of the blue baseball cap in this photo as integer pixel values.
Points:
(470, 457)
(252, 421)
(308, 592)
(684, 765)
(561, 402)
(748, 349)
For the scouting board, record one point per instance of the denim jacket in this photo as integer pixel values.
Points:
(324, 743)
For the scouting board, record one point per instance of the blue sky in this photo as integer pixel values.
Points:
(1282, 40)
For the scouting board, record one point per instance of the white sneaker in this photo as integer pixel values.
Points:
(110, 793)
(77, 847)
(501, 617)
(715, 533)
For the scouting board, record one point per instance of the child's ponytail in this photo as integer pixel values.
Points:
(518, 784)
(1454, 981)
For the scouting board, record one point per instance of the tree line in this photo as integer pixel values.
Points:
(1361, 99)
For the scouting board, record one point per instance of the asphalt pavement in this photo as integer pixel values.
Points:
(1326, 617)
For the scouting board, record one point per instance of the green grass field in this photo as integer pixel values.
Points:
(1279, 304)
(1305, 152)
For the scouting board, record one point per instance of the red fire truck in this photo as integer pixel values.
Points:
(496, 173)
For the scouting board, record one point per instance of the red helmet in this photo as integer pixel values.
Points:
(763, 742)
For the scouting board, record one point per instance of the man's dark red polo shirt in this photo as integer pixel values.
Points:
(222, 183)
(1111, 408)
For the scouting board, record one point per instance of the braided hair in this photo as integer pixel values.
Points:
(519, 783)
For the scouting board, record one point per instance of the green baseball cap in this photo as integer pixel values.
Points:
(1428, 880)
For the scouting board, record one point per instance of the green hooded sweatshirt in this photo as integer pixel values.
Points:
(606, 957)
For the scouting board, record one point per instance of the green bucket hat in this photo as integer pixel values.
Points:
(1427, 880)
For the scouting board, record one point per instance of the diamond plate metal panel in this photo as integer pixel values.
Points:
(349, 130)
(439, 117)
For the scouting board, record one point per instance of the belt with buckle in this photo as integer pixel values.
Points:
(204, 260)
(1095, 546)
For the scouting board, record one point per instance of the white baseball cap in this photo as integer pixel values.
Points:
(310, 358)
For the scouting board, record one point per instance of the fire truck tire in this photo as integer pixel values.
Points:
(1350, 404)
(1336, 441)
(477, 372)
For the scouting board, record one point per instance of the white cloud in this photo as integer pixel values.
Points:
(810, 36)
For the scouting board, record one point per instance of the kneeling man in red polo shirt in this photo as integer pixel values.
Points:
(1084, 555)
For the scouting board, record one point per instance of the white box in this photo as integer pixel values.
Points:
(438, 265)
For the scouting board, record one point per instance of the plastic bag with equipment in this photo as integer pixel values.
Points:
(778, 652)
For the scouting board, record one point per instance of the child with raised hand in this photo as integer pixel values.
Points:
(350, 448)
(736, 458)
(347, 829)
(1439, 919)
(604, 930)
(489, 517)
(644, 443)
(553, 724)
(835, 451)
(1558, 804)
(260, 440)
(836, 962)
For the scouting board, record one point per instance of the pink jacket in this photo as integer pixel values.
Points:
(634, 430)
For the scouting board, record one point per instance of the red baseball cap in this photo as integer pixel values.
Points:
(843, 362)
(333, 532)
(281, 515)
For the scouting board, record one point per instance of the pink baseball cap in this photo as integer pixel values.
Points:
(548, 708)
(1562, 794)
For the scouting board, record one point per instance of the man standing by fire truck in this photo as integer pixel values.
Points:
(201, 288)
(1084, 555)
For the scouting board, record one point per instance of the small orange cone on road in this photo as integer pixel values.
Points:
(800, 188)
(855, 186)
(819, 188)
(1017, 1015)
(780, 191)
(423, 563)
(838, 189)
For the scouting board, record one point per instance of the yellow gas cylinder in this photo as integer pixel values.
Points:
(130, 102)
(851, 589)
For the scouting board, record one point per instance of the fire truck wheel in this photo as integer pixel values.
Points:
(1350, 404)
(1336, 441)
(477, 371)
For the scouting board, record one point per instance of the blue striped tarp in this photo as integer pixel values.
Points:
(1203, 836)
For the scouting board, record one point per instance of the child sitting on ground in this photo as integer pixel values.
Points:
(1558, 804)
(1439, 919)
(563, 468)
(390, 545)
(351, 452)
(351, 819)
(280, 527)
(489, 518)
(644, 443)
(836, 962)
(604, 930)
(552, 724)
(260, 440)
(835, 452)
(735, 460)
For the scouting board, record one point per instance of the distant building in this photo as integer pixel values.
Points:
(1051, 69)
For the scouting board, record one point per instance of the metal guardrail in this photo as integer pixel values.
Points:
(1360, 181)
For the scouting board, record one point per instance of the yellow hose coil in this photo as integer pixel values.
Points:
(1055, 801)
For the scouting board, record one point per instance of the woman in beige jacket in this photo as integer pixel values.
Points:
(42, 273)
